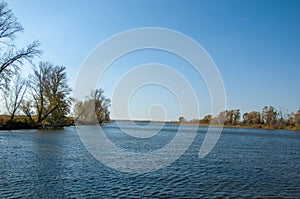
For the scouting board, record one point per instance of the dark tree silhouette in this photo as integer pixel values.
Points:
(12, 58)
(13, 97)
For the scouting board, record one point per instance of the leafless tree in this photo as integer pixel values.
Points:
(14, 96)
(9, 25)
(12, 58)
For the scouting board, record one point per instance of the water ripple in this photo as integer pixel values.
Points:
(244, 164)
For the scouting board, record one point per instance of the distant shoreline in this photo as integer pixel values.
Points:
(70, 122)
(244, 126)
(258, 126)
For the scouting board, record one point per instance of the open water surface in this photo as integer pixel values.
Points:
(244, 163)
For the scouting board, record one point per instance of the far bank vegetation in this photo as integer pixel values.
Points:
(269, 117)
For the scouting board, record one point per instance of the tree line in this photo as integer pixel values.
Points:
(43, 98)
(268, 117)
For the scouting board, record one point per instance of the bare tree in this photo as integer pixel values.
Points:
(282, 116)
(9, 25)
(15, 58)
(14, 97)
(12, 58)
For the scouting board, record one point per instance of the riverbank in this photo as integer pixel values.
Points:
(22, 122)
(258, 126)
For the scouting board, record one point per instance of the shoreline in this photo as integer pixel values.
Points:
(260, 126)
(289, 128)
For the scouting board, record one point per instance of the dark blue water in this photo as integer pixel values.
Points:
(244, 163)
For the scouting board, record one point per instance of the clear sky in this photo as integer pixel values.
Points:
(255, 45)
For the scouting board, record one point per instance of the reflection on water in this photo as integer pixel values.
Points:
(244, 163)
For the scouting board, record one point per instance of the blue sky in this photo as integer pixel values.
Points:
(255, 45)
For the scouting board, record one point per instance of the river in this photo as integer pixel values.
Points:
(244, 163)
